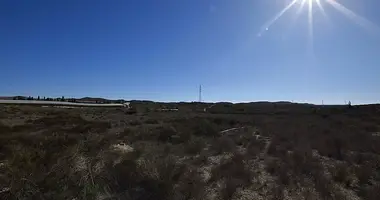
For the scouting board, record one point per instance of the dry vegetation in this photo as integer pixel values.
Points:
(283, 151)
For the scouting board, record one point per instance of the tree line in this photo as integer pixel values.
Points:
(38, 98)
(63, 99)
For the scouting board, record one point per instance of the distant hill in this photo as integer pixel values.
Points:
(94, 99)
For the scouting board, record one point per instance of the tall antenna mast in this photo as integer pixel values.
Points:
(200, 93)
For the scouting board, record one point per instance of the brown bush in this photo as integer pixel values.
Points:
(195, 146)
(341, 173)
(280, 146)
(364, 173)
(223, 144)
(165, 133)
(277, 193)
(151, 121)
(4, 129)
(255, 147)
(135, 123)
(230, 186)
(271, 166)
(203, 127)
(323, 186)
(235, 174)
(190, 186)
(153, 178)
(202, 159)
(280, 170)
(369, 192)
(61, 119)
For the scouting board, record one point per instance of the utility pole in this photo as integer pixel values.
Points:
(200, 93)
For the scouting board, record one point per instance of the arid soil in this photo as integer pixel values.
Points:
(231, 151)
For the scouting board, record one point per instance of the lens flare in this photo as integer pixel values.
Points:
(310, 24)
(275, 18)
(357, 19)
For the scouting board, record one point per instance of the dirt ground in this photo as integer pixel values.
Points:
(231, 151)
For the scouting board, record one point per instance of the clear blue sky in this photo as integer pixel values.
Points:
(163, 49)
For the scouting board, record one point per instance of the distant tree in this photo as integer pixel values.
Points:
(38, 98)
(44, 98)
(63, 98)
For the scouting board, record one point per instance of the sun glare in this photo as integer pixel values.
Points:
(314, 6)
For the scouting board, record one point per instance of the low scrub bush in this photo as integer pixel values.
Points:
(233, 167)
(165, 133)
(277, 193)
(171, 134)
(364, 173)
(369, 192)
(204, 127)
(341, 173)
(323, 186)
(235, 175)
(190, 186)
(255, 147)
(223, 144)
(280, 170)
(135, 123)
(151, 121)
(195, 146)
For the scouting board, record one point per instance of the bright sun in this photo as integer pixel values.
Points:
(310, 5)
(308, 1)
